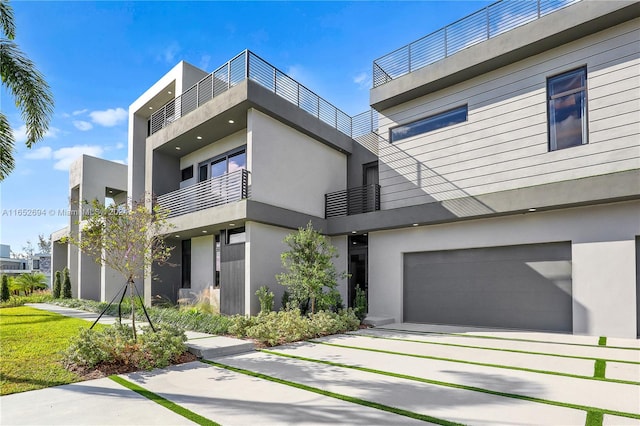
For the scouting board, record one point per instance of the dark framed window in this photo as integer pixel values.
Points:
(567, 109)
(226, 163)
(187, 173)
(236, 236)
(36, 264)
(427, 124)
(186, 264)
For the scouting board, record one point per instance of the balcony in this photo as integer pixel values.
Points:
(362, 199)
(248, 65)
(214, 192)
(489, 22)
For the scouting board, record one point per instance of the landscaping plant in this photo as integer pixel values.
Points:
(57, 285)
(360, 304)
(66, 284)
(118, 345)
(4, 293)
(127, 238)
(310, 270)
(266, 299)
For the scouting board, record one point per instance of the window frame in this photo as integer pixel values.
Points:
(435, 116)
(225, 156)
(552, 147)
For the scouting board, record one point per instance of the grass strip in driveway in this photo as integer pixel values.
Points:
(513, 339)
(178, 409)
(598, 374)
(602, 341)
(517, 351)
(594, 419)
(339, 396)
(586, 408)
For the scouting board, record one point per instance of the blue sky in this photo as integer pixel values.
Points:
(98, 57)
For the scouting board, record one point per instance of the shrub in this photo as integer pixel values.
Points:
(285, 301)
(4, 293)
(360, 307)
(35, 297)
(117, 345)
(309, 267)
(57, 285)
(266, 299)
(275, 328)
(66, 285)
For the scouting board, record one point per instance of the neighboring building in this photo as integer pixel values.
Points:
(90, 179)
(14, 266)
(517, 158)
(496, 184)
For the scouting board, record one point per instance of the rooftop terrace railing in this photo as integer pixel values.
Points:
(248, 65)
(493, 20)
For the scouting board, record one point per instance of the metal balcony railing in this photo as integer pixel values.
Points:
(214, 192)
(248, 65)
(362, 199)
(493, 20)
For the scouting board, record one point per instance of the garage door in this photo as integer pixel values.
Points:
(524, 287)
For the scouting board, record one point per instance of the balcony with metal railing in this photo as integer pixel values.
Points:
(362, 199)
(218, 191)
(489, 22)
(248, 65)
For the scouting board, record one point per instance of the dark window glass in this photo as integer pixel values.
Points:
(424, 125)
(567, 109)
(187, 173)
(203, 173)
(36, 264)
(186, 263)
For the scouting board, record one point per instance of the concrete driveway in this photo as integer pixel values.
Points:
(396, 374)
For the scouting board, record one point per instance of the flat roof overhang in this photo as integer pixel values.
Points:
(563, 26)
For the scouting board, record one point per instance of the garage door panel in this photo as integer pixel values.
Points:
(526, 287)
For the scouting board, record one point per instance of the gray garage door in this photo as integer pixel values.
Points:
(523, 287)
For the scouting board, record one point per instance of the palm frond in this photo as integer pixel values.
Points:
(7, 162)
(7, 23)
(32, 93)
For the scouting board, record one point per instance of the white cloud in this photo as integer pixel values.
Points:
(66, 156)
(362, 80)
(119, 161)
(169, 53)
(119, 145)
(109, 118)
(43, 153)
(80, 112)
(82, 125)
(20, 133)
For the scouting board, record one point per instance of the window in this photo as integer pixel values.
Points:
(36, 264)
(424, 125)
(223, 164)
(235, 236)
(567, 109)
(187, 173)
(186, 263)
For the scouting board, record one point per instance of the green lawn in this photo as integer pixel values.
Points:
(30, 344)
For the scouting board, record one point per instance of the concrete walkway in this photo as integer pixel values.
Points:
(395, 374)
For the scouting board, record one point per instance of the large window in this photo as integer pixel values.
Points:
(567, 109)
(226, 163)
(427, 124)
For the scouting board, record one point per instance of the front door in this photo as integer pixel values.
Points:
(358, 266)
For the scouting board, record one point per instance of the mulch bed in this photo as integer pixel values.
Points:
(108, 369)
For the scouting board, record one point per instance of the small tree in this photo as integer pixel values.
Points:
(4, 293)
(309, 267)
(127, 238)
(44, 244)
(66, 285)
(57, 285)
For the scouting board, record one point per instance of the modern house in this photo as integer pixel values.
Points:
(512, 170)
(90, 179)
(15, 266)
(495, 182)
